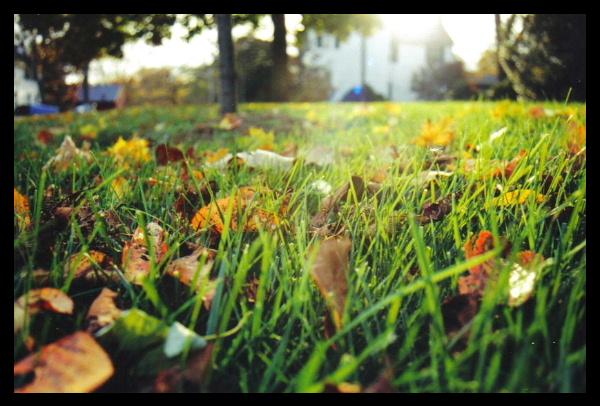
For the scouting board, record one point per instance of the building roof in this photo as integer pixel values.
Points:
(102, 93)
(436, 35)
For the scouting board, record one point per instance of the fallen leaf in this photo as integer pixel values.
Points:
(120, 186)
(103, 311)
(230, 121)
(320, 156)
(45, 137)
(257, 159)
(330, 273)
(439, 133)
(436, 211)
(76, 363)
(22, 211)
(67, 155)
(94, 267)
(344, 387)
(179, 337)
(135, 258)
(133, 152)
(520, 196)
(166, 154)
(498, 134)
(457, 312)
(508, 169)
(216, 156)
(210, 215)
(187, 270)
(38, 300)
(523, 277)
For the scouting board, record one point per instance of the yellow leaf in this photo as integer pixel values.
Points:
(120, 186)
(132, 152)
(436, 134)
(22, 210)
(518, 197)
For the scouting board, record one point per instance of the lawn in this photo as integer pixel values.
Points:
(424, 247)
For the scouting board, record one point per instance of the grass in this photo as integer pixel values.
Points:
(393, 318)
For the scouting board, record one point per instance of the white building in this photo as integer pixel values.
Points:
(27, 91)
(385, 60)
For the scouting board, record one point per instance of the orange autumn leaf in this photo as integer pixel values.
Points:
(135, 259)
(74, 364)
(22, 211)
(210, 216)
(507, 170)
(476, 281)
(103, 311)
(330, 273)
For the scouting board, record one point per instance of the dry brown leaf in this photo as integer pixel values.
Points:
(185, 269)
(166, 154)
(135, 258)
(37, 300)
(66, 155)
(330, 272)
(74, 364)
(94, 267)
(103, 311)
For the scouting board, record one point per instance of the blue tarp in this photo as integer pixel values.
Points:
(40, 109)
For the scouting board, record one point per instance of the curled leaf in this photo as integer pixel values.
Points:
(103, 311)
(93, 267)
(38, 300)
(230, 121)
(188, 270)
(76, 363)
(330, 273)
(135, 258)
(67, 155)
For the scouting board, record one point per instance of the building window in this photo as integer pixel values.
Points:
(394, 50)
(319, 41)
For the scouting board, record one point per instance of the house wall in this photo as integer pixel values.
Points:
(388, 78)
(26, 91)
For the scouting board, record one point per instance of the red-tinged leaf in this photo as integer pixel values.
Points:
(166, 154)
(103, 311)
(135, 258)
(45, 137)
(507, 170)
(76, 363)
(330, 273)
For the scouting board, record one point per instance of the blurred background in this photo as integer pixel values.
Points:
(103, 61)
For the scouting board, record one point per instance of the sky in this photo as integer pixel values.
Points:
(472, 34)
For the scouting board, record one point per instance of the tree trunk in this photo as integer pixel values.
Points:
(86, 83)
(501, 73)
(226, 64)
(280, 80)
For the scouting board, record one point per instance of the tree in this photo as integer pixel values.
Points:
(546, 57)
(226, 64)
(442, 81)
(77, 39)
